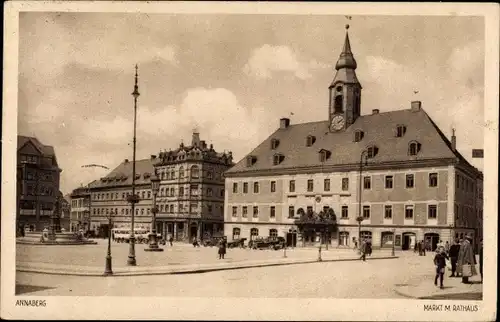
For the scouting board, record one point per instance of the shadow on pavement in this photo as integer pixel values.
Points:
(472, 296)
(23, 289)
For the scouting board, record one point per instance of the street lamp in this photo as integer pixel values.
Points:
(133, 198)
(153, 242)
(393, 240)
(359, 219)
(108, 269)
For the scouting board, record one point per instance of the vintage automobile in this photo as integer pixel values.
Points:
(240, 242)
(210, 241)
(122, 235)
(273, 243)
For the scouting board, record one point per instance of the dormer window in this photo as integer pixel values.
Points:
(274, 144)
(400, 130)
(414, 148)
(278, 158)
(310, 140)
(372, 151)
(251, 160)
(358, 135)
(324, 155)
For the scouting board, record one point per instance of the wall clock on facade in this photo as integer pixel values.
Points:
(337, 123)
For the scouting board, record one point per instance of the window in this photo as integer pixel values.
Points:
(345, 212)
(278, 158)
(433, 179)
(273, 186)
(291, 211)
(181, 172)
(235, 187)
(143, 194)
(272, 213)
(255, 187)
(326, 184)
(358, 136)
(400, 131)
(195, 172)
(388, 212)
(236, 233)
(245, 187)
(123, 211)
(345, 184)
(310, 185)
(181, 191)
(244, 211)
(149, 194)
(371, 152)
(291, 186)
(209, 175)
(172, 174)
(194, 190)
(209, 192)
(126, 211)
(209, 208)
(254, 232)
(324, 155)
(171, 208)
(235, 211)
(222, 193)
(432, 211)
(255, 212)
(310, 140)
(142, 211)
(366, 212)
(275, 143)
(123, 195)
(388, 182)
(366, 235)
(367, 183)
(410, 181)
(409, 212)
(273, 233)
(413, 148)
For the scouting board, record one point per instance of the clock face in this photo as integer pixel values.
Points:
(337, 123)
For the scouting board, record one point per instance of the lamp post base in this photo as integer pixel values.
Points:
(153, 244)
(131, 255)
(108, 270)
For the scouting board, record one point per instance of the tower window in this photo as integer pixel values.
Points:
(400, 131)
(358, 135)
(275, 143)
(413, 148)
(339, 88)
(310, 140)
(338, 104)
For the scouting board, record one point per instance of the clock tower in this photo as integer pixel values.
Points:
(345, 91)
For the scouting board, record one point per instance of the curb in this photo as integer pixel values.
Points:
(189, 271)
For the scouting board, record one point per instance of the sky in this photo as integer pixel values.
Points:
(232, 77)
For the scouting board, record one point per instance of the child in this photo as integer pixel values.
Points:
(440, 262)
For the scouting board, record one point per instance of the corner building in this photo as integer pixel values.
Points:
(395, 169)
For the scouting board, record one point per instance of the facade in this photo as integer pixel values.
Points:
(65, 211)
(191, 196)
(396, 170)
(80, 209)
(37, 183)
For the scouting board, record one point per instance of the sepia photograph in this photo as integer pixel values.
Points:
(302, 161)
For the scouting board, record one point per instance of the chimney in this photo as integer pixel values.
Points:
(126, 160)
(453, 140)
(196, 138)
(375, 111)
(415, 106)
(284, 123)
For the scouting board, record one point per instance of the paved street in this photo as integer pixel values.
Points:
(353, 279)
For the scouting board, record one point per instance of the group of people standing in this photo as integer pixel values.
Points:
(462, 257)
(365, 248)
(421, 247)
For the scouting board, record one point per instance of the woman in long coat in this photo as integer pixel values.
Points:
(466, 256)
(222, 248)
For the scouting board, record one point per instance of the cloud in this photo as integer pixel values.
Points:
(266, 60)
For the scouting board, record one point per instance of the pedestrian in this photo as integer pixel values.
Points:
(355, 244)
(440, 262)
(195, 242)
(453, 254)
(424, 247)
(447, 247)
(171, 241)
(362, 249)
(419, 246)
(439, 245)
(222, 248)
(415, 248)
(466, 263)
(481, 259)
(369, 247)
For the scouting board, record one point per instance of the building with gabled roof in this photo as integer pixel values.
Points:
(395, 170)
(38, 176)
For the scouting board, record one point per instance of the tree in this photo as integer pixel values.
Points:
(323, 222)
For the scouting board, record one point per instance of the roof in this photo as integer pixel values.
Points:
(378, 130)
(122, 174)
(44, 149)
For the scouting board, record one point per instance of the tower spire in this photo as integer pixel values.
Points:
(346, 59)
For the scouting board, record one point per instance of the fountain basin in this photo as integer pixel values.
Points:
(66, 238)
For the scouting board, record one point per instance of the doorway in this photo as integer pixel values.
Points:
(432, 239)
(409, 240)
(193, 231)
(291, 238)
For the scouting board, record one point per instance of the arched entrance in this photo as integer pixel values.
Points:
(193, 231)
(291, 238)
(432, 239)
(409, 240)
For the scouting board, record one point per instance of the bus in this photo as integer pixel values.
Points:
(122, 235)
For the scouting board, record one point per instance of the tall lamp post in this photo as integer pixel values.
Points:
(108, 270)
(153, 242)
(362, 160)
(133, 198)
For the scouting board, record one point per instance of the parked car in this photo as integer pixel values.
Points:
(211, 241)
(273, 243)
(240, 242)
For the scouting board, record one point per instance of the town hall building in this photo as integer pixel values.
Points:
(395, 170)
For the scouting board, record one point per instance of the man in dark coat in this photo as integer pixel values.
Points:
(466, 256)
(362, 249)
(440, 262)
(453, 254)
